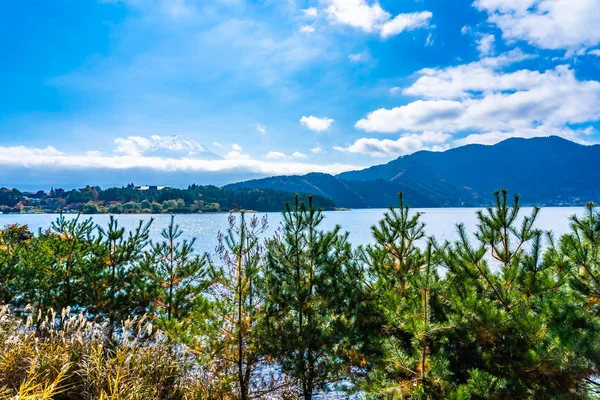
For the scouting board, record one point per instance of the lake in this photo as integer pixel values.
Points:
(440, 222)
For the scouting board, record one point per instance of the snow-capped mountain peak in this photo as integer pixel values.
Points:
(178, 145)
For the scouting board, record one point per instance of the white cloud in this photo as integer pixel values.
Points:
(429, 41)
(404, 145)
(485, 45)
(520, 100)
(50, 158)
(418, 115)
(132, 146)
(372, 18)
(548, 24)
(217, 144)
(475, 78)
(261, 128)
(405, 22)
(317, 149)
(316, 124)
(236, 155)
(358, 58)
(307, 29)
(595, 52)
(487, 104)
(297, 154)
(277, 155)
(310, 12)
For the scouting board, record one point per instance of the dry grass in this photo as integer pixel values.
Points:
(69, 357)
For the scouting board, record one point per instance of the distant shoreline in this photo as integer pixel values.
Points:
(69, 212)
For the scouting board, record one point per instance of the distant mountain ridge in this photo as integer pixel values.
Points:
(545, 171)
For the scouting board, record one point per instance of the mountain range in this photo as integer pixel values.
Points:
(544, 171)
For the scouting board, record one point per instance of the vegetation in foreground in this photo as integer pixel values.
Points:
(96, 312)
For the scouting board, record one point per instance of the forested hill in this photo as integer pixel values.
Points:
(151, 199)
(545, 171)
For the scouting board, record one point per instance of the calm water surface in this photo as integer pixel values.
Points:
(440, 222)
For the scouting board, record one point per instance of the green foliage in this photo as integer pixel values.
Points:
(129, 199)
(514, 318)
(121, 287)
(179, 276)
(507, 311)
(408, 289)
(306, 323)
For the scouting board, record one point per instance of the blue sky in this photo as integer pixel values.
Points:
(92, 91)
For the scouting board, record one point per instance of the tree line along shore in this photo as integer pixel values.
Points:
(133, 199)
(507, 311)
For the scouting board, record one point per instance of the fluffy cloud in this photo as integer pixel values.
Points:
(404, 145)
(276, 155)
(405, 22)
(236, 153)
(548, 24)
(488, 105)
(477, 77)
(316, 150)
(307, 29)
(49, 158)
(310, 12)
(372, 18)
(419, 115)
(316, 124)
(485, 45)
(133, 145)
(478, 96)
(297, 154)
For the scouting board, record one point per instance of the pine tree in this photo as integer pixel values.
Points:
(513, 337)
(239, 291)
(179, 276)
(119, 286)
(306, 328)
(581, 250)
(13, 241)
(67, 246)
(53, 267)
(408, 289)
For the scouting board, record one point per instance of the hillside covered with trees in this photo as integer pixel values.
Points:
(550, 171)
(150, 199)
(94, 312)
